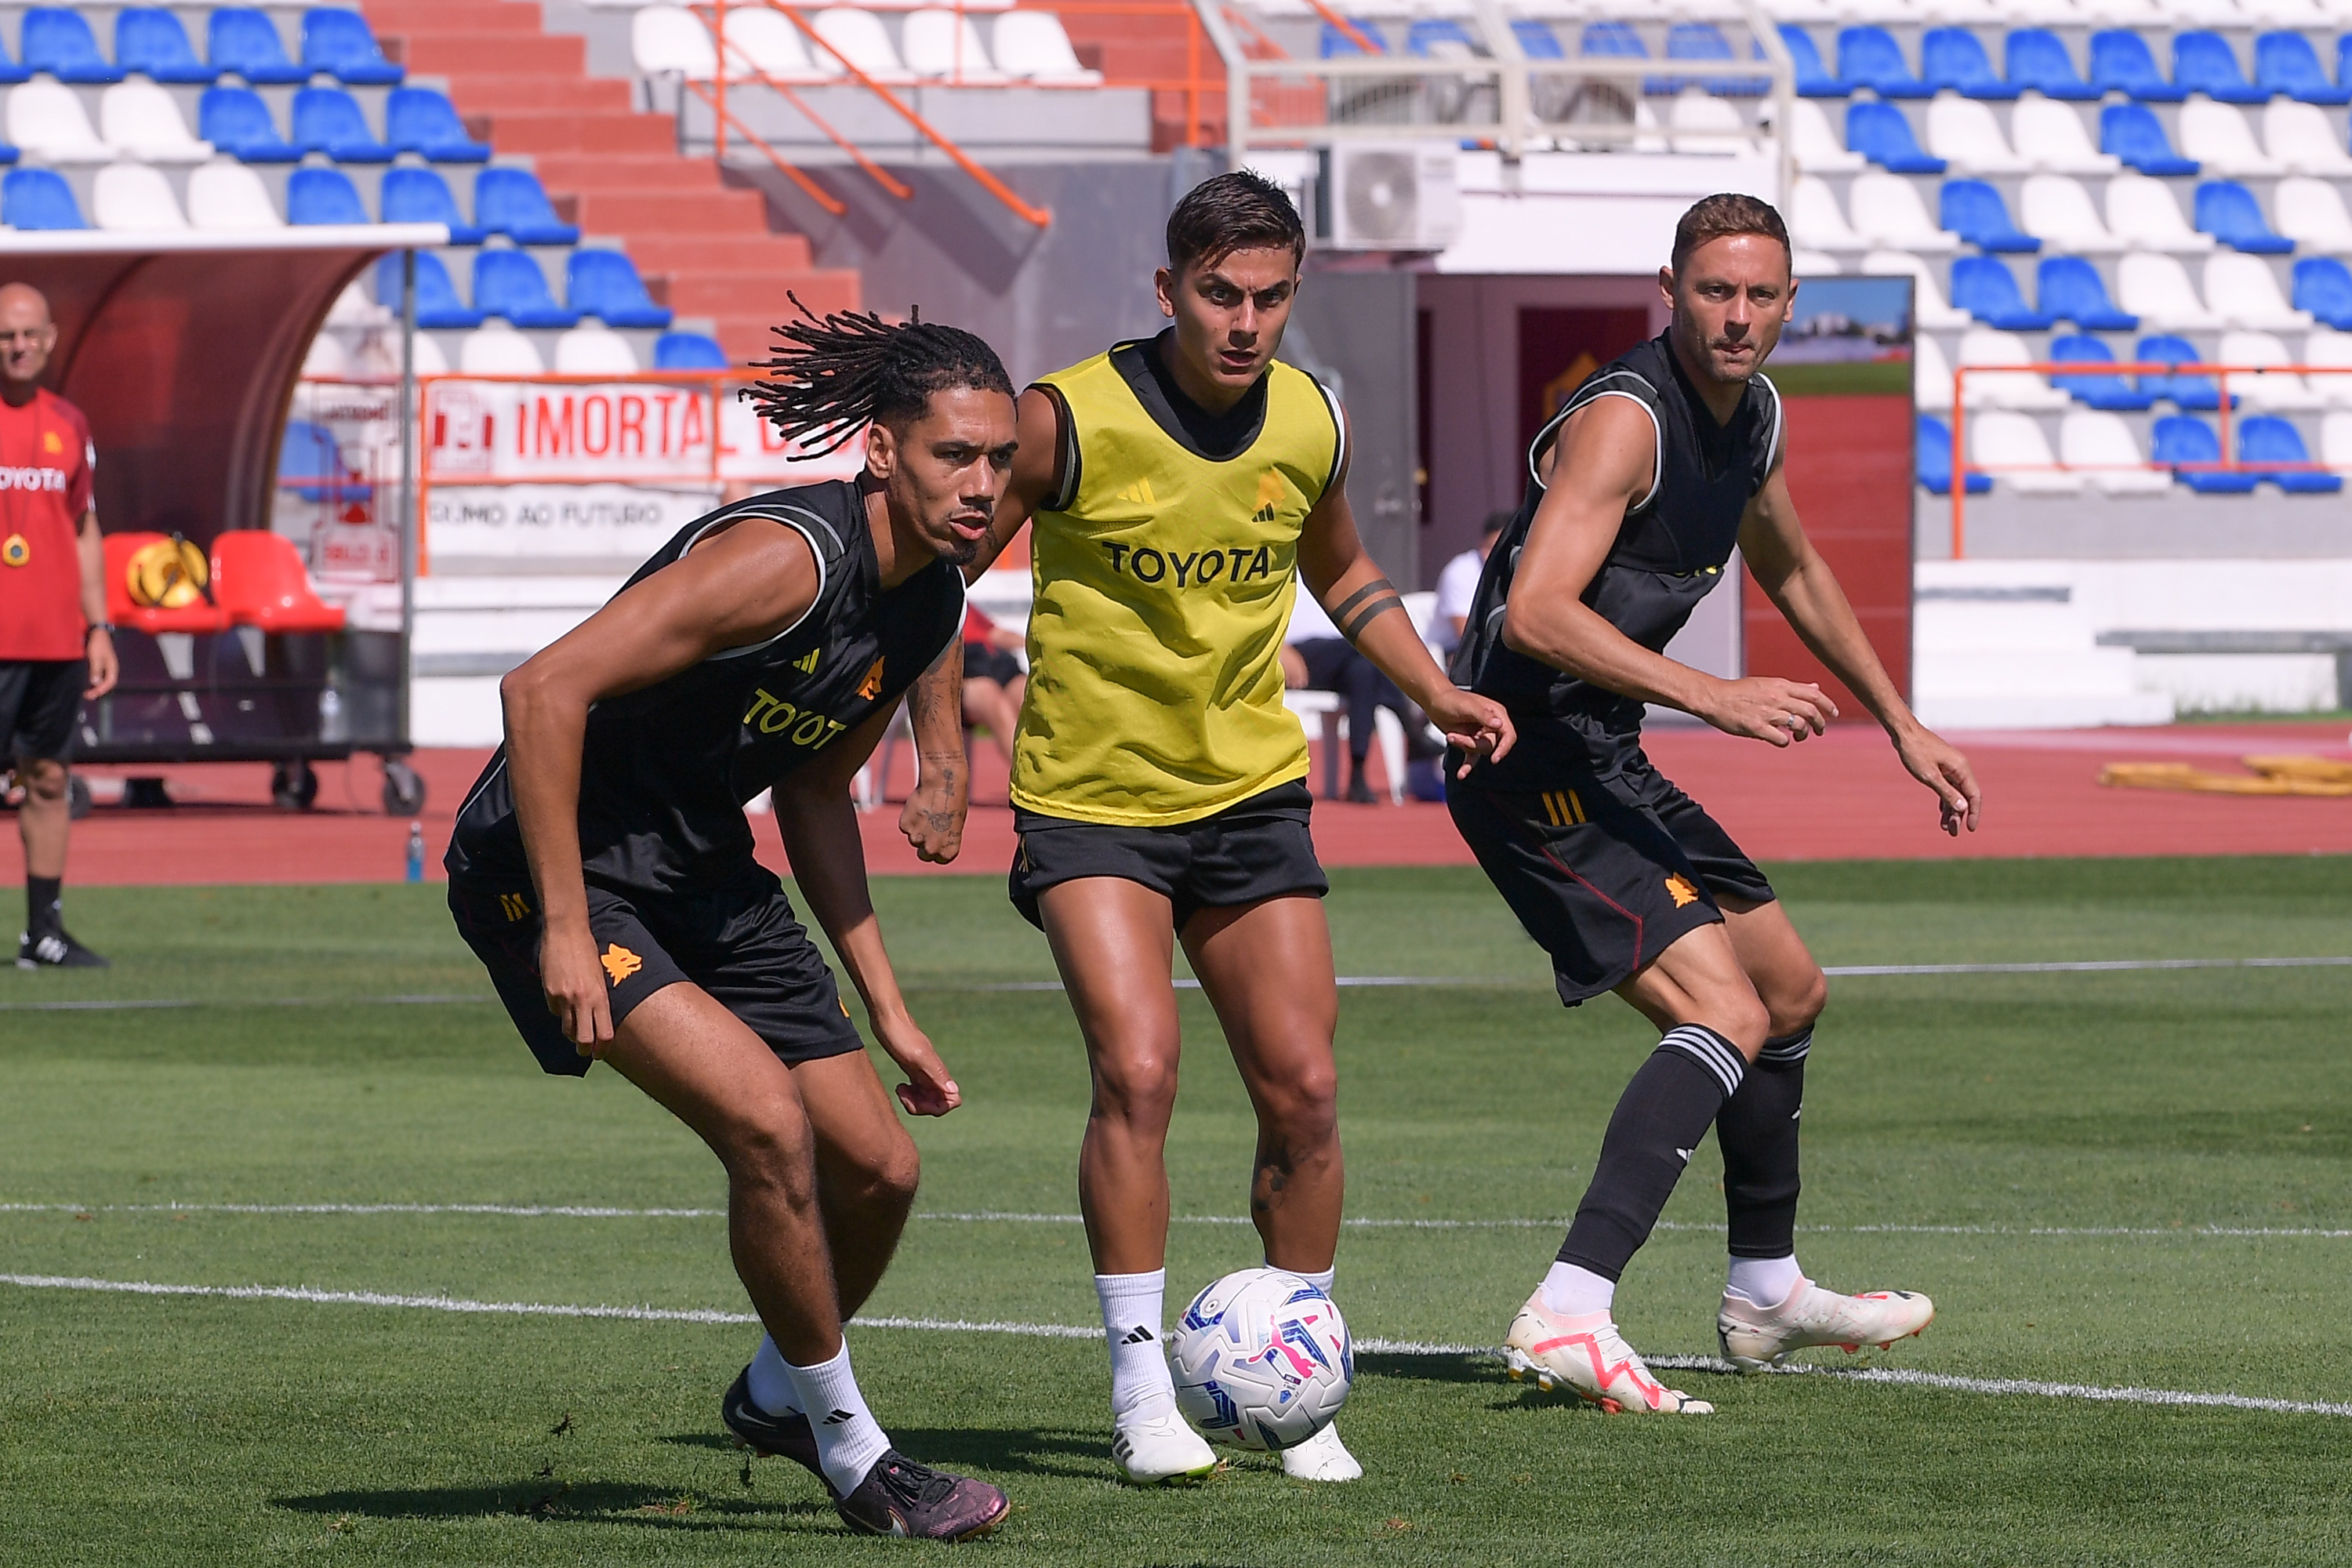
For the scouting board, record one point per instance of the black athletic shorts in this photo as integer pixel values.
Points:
(40, 700)
(739, 943)
(1255, 848)
(1605, 872)
(987, 663)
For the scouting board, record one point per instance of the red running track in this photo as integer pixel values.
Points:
(1841, 797)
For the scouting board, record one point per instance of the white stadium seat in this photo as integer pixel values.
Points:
(1998, 441)
(2050, 135)
(430, 360)
(2277, 390)
(1964, 134)
(2311, 213)
(859, 37)
(2300, 137)
(2329, 347)
(2217, 136)
(766, 41)
(1887, 208)
(1931, 310)
(1803, 263)
(325, 360)
(2144, 214)
(1931, 375)
(1699, 121)
(2102, 444)
(594, 351)
(230, 196)
(1815, 146)
(46, 118)
(2245, 291)
(1031, 44)
(499, 349)
(144, 122)
(2057, 210)
(2336, 441)
(944, 43)
(1814, 219)
(134, 197)
(2004, 388)
(670, 40)
(2156, 289)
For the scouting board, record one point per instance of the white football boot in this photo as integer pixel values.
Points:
(1322, 1457)
(1161, 1450)
(1754, 1337)
(1585, 1355)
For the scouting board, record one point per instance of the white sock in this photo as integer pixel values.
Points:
(848, 1439)
(1572, 1292)
(1321, 1281)
(771, 1380)
(1765, 1281)
(1132, 1312)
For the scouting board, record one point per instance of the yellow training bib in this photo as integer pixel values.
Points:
(1163, 583)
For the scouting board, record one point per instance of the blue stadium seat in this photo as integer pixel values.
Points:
(2121, 62)
(2184, 391)
(1869, 57)
(422, 196)
(2323, 286)
(323, 195)
(2204, 62)
(1932, 460)
(328, 120)
(1613, 40)
(241, 39)
(340, 42)
(1814, 77)
(38, 198)
(1536, 40)
(2265, 439)
(2227, 211)
(2070, 289)
(1985, 288)
(508, 283)
(1880, 132)
(10, 73)
(1974, 210)
(1336, 43)
(235, 120)
(2099, 390)
(2286, 62)
(605, 284)
(150, 40)
(420, 120)
(2037, 59)
(2132, 132)
(310, 452)
(1952, 58)
(511, 202)
(59, 42)
(9, 154)
(2183, 439)
(1429, 31)
(688, 350)
(438, 304)
(1705, 41)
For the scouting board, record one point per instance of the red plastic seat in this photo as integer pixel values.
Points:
(259, 580)
(150, 618)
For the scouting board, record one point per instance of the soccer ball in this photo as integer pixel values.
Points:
(1263, 1361)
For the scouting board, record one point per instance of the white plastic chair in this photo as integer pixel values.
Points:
(1964, 134)
(860, 39)
(1930, 309)
(2245, 292)
(1803, 263)
(2004, 388)
(767, 40)
(2156, 289)
(2329, 347)
(2101, 443)
(1887, 210)
(594, 351)
(1031, 44)
(1699, 121)
(2336, 441)
(944, 44)
(325, 360)
(499, 351)
(2057, 210)
(670, 40)
(430, 359)
(1999, 440)
(2144, 216)
(1931, 375)
(2274, 389)
(45, 118)
(2217, 136)
(2311, 213)
(142, 121)
(134, 197)
(2051, 135)
(1815, 146)
(230, 196)
(2300, 137)
(1815, 220)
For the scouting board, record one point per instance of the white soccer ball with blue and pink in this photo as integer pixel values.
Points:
(1263, 1361)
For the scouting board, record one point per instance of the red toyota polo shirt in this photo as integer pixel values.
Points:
(45, 487)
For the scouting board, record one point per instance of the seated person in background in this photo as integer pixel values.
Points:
(1457, 585)
(1316, 658)
(994, 681)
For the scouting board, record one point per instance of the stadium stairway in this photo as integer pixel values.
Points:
(705, 249)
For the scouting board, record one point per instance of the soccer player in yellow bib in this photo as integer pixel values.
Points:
(1181, 487)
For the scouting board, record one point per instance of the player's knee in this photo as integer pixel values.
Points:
(43, 778)
(769, 1149)
(1742, 1018)
(889, 1178)
(1303, 1110)
(1136, 1086)
(1794, 1007)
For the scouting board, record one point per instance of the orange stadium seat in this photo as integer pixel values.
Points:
(151, 619)
(259, 580)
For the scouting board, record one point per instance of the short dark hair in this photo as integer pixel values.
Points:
(1495, 522)
(1239, 210)
(1720, 216)
(838, 374)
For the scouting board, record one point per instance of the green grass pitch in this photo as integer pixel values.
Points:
(2086, 1138)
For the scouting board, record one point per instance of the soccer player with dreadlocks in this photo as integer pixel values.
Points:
(602, 867)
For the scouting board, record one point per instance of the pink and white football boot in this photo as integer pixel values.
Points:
(1754, 1337)
(1586, 1356)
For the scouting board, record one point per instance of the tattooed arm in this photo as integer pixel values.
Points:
(933, 820)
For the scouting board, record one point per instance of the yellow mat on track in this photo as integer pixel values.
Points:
(2270, 775)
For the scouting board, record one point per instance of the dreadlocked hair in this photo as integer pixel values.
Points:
(834, 375)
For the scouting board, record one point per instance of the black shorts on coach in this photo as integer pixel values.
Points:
(40, 700)
(1256, 848)
(1605, 872)
(738, 941)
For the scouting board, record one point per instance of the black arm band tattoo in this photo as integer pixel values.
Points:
(1366, 603)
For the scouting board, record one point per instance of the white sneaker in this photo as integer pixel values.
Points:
(1756, 1337)
(1585, 1355)
(1161, 1450)
(1322, 1457)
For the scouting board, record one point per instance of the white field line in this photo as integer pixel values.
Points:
(2004, 1386)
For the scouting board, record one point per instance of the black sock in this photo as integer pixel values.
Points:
(1757, 1131)
(44, 905)
(1659, 1120)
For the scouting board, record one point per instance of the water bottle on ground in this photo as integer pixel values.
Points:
(416, 851)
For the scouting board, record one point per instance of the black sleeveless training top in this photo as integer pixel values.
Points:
(665, 770)
(1670, 550)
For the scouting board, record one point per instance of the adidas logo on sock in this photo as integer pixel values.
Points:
(1137, 1335)
(838, 1416)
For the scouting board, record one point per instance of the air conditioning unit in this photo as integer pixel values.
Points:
(1401, 195)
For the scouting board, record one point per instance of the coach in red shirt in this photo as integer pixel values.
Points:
(56, 647)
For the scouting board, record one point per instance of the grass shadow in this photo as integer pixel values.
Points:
(551, 1501)
(998, 1450)
(1477, 1368)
